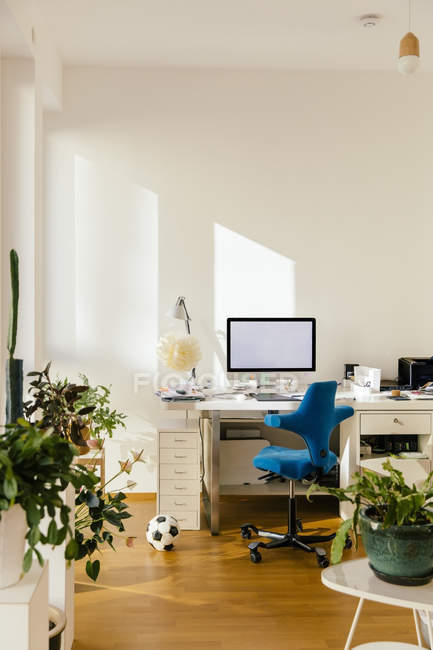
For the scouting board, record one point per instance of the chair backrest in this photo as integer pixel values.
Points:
(317, 419)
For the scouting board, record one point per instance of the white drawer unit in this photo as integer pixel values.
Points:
(179, 456)
(172, 503)
(176, 440)
(395, 423)
(179, 473)
(178, 486)
(187, 520)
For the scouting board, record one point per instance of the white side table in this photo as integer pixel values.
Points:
(355, 578)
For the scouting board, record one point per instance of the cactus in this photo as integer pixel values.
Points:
(14, 367)
(15, 294)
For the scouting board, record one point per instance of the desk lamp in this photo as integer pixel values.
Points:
(180, 312)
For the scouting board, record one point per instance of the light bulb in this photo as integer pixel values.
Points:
(408, 64)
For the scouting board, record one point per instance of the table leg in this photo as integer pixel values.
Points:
(429, 627)
(212, 474)
(418, 634)
(215, 476)
(354, 624)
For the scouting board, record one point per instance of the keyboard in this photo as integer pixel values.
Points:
(276, 397)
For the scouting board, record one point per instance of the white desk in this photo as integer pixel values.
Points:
(374, 415)
(357, 579)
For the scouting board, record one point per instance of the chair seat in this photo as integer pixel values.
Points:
(290, 463)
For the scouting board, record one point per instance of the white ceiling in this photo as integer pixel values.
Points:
(301, 34)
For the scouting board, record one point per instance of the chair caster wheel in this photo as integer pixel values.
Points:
(322, 561)
(255, 556)
(247, 530)
(348, 543)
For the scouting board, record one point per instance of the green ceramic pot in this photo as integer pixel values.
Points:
(400, 551)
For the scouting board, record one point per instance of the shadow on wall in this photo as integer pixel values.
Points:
(249, 280)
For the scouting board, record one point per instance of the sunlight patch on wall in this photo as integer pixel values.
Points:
(249, 280)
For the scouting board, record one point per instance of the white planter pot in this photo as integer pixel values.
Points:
(13, 528)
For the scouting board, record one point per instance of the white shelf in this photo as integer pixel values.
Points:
(275, 487)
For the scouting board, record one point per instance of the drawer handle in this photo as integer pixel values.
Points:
(177, 471)
(397, 421)
(176, 487)
(183, 503)
(179, 456)
(180, 440)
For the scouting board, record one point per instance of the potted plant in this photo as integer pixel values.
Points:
(56, 626)
(395, 522)
(76, 412)
(99, 514)
(82, 414)
(35, 467)
(53, 405)
(102, 420)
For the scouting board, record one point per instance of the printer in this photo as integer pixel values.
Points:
(415, 371)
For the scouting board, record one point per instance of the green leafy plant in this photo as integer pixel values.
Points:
(102, 420)
(98, 515)
(75, 411)
(35, 468)
(389, 501)
(55, 404)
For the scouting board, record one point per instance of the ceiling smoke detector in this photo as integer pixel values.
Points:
(369, 20)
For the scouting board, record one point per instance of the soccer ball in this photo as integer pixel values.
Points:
(162, 531)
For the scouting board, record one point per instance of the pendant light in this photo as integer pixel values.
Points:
(409, 49)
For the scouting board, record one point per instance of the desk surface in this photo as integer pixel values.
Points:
(357, 579)
(375, 402)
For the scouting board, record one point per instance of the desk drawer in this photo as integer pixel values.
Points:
(178, 440)
(179, 486)
(178, 471)
(178, 456)
(395, 423)
(186, 520)
(180, 503)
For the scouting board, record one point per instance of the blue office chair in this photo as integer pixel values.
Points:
(314, 420)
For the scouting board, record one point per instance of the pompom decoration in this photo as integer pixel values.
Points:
(179, 352)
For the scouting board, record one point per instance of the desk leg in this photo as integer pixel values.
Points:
(429, 627)
(349, 458)
(354, 624)
(212, 472)
(418, 635)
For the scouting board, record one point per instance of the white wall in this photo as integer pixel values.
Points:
(331, 171)
(18, 199)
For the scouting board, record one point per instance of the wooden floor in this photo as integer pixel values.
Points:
(207, 595)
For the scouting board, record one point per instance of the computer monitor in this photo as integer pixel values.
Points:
(271, 344)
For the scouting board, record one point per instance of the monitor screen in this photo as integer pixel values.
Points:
(271, 344)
